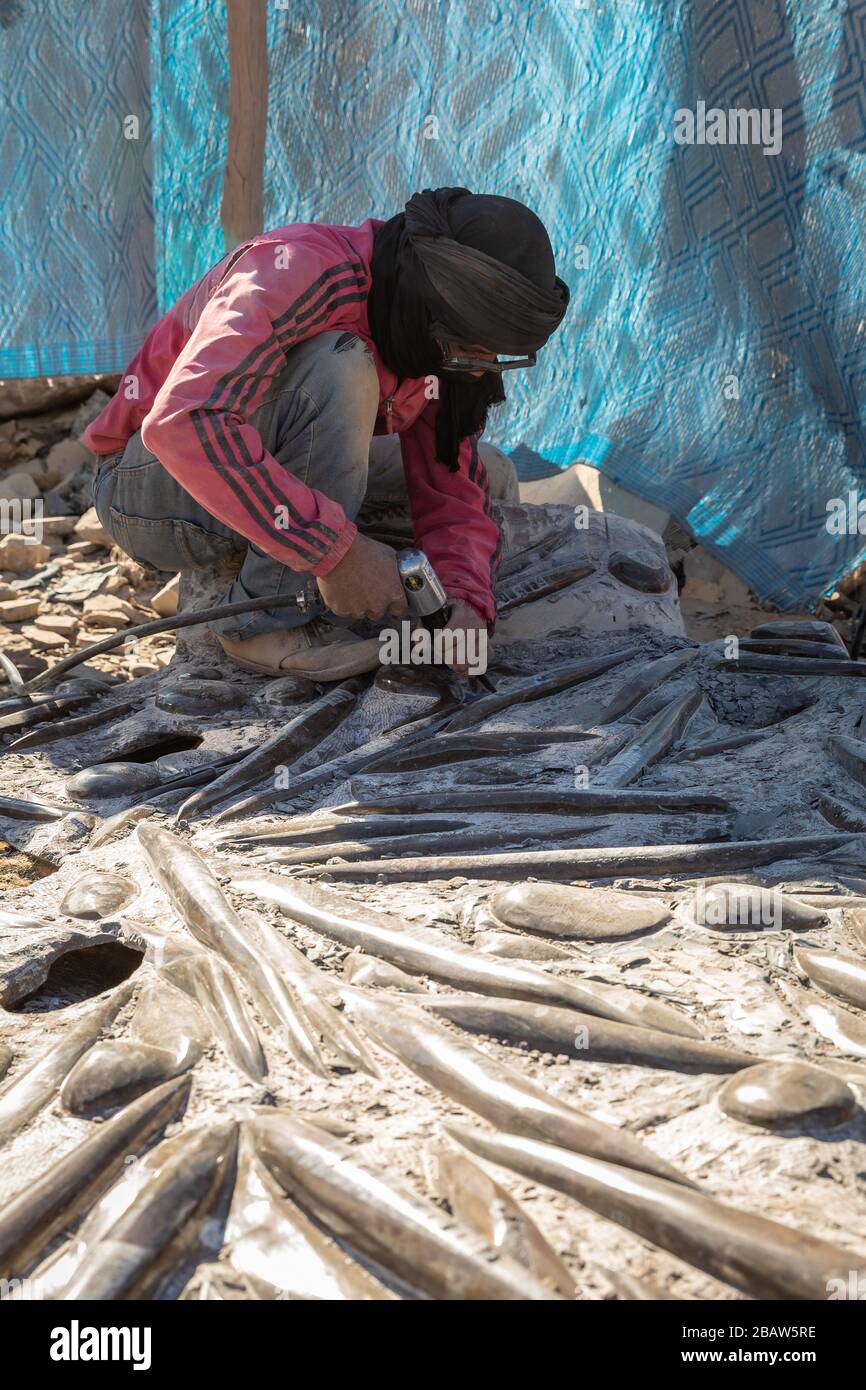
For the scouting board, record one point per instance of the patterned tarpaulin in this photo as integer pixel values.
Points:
(715, 354)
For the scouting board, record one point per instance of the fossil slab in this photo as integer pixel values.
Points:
(636, 1030)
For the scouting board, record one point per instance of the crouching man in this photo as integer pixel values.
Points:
(254, 400)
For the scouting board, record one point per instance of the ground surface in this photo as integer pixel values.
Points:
(741, 988)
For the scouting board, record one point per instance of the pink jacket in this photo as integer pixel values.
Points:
(209, 361)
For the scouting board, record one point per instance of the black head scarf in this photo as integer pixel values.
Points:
(477, 268)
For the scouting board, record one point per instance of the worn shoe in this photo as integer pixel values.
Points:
(319, 650)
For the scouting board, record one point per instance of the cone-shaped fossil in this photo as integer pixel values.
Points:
(280, 1250)
(484, 1205)
(31, 1219)
(589, 1039)
(492, 1088)
(205, 978)
(835, 972)
(424, 951)
(98, 895)
(761, 1257)
(384, 1219)
(134, 1255)
(204, 909)
(25, 1095)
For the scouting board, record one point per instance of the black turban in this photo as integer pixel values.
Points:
(469, 268)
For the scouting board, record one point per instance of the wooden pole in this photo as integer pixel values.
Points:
(242, 213)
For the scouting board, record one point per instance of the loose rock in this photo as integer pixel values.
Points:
(22, 556)
(90, 529)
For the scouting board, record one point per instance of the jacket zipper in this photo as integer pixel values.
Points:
(389, 410)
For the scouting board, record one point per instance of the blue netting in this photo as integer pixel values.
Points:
(714, 356)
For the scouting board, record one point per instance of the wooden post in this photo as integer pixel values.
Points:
(242, 213)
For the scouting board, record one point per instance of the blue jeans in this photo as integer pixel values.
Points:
(317, 421)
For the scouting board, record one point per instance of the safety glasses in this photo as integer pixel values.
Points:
(452, 363)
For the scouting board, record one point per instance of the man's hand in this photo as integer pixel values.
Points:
(365, 583)
(475, 642)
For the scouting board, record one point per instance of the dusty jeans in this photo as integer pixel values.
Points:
(317, 421)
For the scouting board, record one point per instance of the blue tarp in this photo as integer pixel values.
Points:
(714, 358)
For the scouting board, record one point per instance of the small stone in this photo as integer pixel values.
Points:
(46, 641)
(63, 623)
(22, 556)
(89, 528)
(19, 610)
(64, 459)
(166, 600)
(18, 487)
(107, 610)
(116, 584)
(76, 548)
(87, 639)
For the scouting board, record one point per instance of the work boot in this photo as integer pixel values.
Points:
(319, 650)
